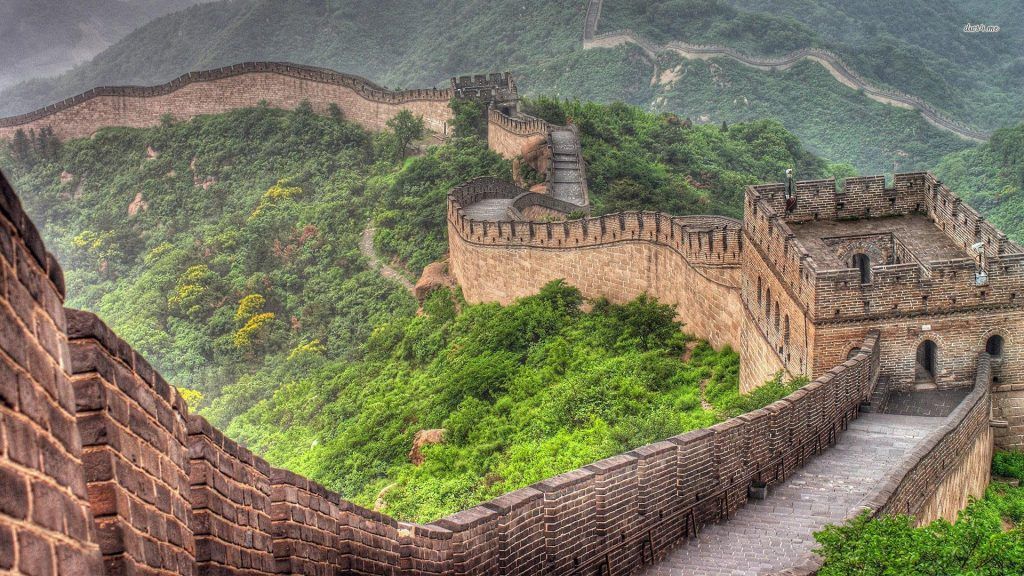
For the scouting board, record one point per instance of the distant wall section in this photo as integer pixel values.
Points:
(280, 85)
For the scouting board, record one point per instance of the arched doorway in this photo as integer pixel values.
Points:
(863, 263)
(926, 363)
(994, 346)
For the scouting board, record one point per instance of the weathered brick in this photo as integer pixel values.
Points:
(14, 495)
(35, 554)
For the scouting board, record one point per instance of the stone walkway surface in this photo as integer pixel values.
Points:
(777, 533)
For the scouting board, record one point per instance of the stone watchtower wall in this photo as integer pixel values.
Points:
(280, 85)
(512, 137)
(691, 262)
(909, 301)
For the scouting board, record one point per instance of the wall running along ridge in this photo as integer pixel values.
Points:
(279, 84)
(156, 490)
(828, 59)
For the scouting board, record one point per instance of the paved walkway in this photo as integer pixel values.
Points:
(567, 177)
(777, 533)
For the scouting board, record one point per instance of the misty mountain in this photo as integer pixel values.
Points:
(46, 37)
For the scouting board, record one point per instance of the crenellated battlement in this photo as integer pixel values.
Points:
(488, 88)
(882, 221)
(705, 240)
(520, 126)
(365, 88)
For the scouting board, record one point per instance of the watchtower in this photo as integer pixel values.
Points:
(497, 90)
(826, 264)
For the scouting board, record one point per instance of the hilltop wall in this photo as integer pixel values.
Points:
(159, 491)
(513, 137)
(690, 262)
(280, 85)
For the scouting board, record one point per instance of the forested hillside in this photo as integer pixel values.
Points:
(47, 37)
(916, 46)
(225, 249)
(991, 178)
(404, 43)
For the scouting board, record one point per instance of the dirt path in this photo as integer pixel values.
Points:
(830, 61)
(367, 249)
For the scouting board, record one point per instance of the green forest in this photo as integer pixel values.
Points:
(225, 250)
(990, 178)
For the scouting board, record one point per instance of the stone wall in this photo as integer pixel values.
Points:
(515, 137)
(691, 262)
(135, 453)
(280, 85)
(949, 466)
(159, 491)
(45, 523)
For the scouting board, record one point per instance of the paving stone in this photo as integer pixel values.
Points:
(778, 533)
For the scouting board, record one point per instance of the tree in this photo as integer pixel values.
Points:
(469, 118)
(21, 148)
(406, 129)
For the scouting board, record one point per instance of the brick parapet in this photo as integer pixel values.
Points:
(701, 240)
(45, 522)
(519, 126)
(230, 496)
(910, 486)
(133, 429)
(362, 86)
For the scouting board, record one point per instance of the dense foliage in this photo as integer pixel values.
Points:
(418, 43)
(991, 178)
(522, 392)
(637, 160)
(987, 538)
(216, 245)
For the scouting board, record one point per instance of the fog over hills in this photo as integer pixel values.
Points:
(46, 37)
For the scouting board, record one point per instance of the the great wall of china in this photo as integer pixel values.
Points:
(104, 471)
(278, 84)
(828, 59)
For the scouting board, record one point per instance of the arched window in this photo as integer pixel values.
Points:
(776, 316)
(862, 263)
(758, 290)
(767, 304)
(994, 345)
(853, 352)
(785, 336)
(926, 362)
